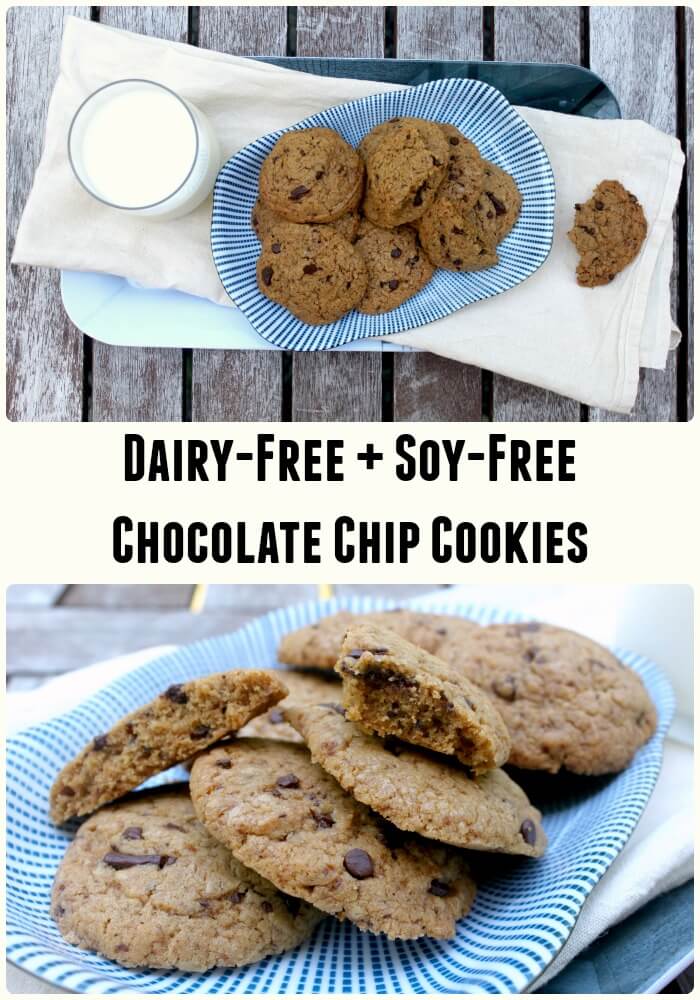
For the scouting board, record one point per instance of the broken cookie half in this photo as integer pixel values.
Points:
(393, 688)
(608, 233)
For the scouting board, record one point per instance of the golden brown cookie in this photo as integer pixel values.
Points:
(263, 218)
(418, 791)
(567, 701)
(144, 884)
(393, 688)
(608, 233)
(288, 819)
(454, 239)
(498, 207)
(311, 175)
(312, 271)
(318, 645)
(184, 719)
(305, 688)
(397, 268)
(406, 162)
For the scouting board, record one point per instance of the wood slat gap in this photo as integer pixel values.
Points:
(193, 25)
(390, 42)
(488, 21)
(87, 379)
(682, 213)
(291, 31)
(585, 31)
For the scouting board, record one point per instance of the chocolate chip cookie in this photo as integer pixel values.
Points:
(397, 268)
(305, 688)
(453, 238)
(567, 701)
(144, 884)
(185, 718)
(419, 791)
(312, 271)
(311, 175)
(608, 233)
(393, 688)
(290, 821)
(498, 206)
(406, 161)
(318, 645)
(263, 218)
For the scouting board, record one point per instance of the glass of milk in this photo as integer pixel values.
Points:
(139, 147)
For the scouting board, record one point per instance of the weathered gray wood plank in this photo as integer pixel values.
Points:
(346, 385)
(690, 174)
(427, 387)
(534, 34)
(641, 70)
(44, 349)
(43, 643)
(34, 595)
(239, 385)
(120, 596)
(131, 383)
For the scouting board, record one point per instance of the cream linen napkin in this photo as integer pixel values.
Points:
(581, 343)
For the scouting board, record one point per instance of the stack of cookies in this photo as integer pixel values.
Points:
(357, 782)
(364, 229)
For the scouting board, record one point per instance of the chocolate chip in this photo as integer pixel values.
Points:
(358, 863)
(254, 220)
(611, 277)
(641, 718)
(528, 831)
(59, 911)
(319, 174)
(323, 821)
(441, 631)
(276, 248)
(67, 790)
(200, 732)
(489, 215)
(395, 253)
(237, 897)
(267, 273)
(266, 906)
(133, 833)
(334, 706)
(578, 206)
(504, 688)
(497, 203)
(393, 285)
(454, 141)
(599, 206)
(439, 888)
(587, 229)
(443, 240)
(122, 947)
(457, 262)
(530, 655)
(380, 650)
(173, 826)
(392, 120)
(457, 231)
(292, 903)
(117, 860)
(275, 717)
(436, 162)
(418, 199)
(356, 653)
(224, 763)
(310, 269)
(298, 193)
(100, 742)
(287, 781)
(176, 694)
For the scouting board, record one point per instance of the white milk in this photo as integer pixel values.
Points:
(138, 147)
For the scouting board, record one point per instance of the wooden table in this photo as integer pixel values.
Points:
(52, 629)
(55, 373)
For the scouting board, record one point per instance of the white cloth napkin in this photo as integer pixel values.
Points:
(583, 343)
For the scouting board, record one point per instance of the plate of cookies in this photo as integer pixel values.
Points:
(382, 215)
(340, 797)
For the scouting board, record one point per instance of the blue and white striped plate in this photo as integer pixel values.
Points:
(524, 909)
(486, 117)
